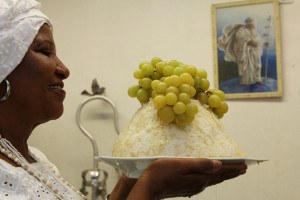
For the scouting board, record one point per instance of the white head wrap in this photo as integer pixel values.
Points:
(20, 21)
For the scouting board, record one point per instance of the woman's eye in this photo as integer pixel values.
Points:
(46, 52)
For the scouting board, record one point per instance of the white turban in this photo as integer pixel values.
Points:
(20, 21)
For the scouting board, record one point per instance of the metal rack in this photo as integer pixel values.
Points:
(90, 177)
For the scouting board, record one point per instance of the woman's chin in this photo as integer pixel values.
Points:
(57, 113)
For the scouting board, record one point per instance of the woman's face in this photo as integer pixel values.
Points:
(37, 83)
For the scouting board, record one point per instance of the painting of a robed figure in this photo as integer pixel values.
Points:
(247, 49)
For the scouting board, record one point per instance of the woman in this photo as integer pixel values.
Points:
(31, 93)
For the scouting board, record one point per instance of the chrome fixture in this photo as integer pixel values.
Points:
(91, 177)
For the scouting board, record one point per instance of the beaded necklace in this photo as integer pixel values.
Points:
(7, 149)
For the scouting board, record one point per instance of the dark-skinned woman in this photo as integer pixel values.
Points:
(31, 93)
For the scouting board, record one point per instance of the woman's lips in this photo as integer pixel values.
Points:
(56, 85)
(58, 88)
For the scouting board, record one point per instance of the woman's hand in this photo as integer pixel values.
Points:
(122, 188)
(175, 177)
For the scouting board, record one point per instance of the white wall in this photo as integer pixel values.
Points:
(107, 39)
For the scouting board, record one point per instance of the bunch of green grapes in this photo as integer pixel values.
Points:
(172, 85)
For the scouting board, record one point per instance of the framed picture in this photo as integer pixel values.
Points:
(247, 52)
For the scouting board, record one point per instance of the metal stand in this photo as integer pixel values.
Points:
(98, 186)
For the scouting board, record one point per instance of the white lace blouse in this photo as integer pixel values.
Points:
(18, 184)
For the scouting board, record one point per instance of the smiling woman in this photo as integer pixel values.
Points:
(31, 93)
(41, 73)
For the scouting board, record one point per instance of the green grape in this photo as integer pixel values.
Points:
(154, 84)
(220, 93)
(186, 78)
(156, 76)
(142, 63)
(167, 80)
(197, 82)
(147, 69)
(192, 70)
(214, 101)
(172, 85)
(210, 92)
(142, 95)
(159, 101)
(145, 83)
(172, 89)
(180, 64)
(161, 88)
(175, 80)
(179, 70)
(185, 88)
(192, 91)
(150, 92)
(138, 74)
(222, 108)
(179, 108)
(181, 120)
(160, 67)
(173, 63)
(132, 91)
(220, 116)
(191, 109)
(202, 97)
(172, 80)
(166, 114)
(155, 60)
(168, 70)
(153, 94)
(190, 118)
(171, 98)
(184, 98)
(201, 73)
(204, 84)
(184, 66)
(140, 82)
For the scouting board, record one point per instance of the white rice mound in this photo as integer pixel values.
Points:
(146, 136)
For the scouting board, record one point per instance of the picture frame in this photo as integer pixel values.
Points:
(246, 49)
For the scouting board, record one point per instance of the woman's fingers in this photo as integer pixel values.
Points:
(228, 171)
(191, 165)
(174, 177)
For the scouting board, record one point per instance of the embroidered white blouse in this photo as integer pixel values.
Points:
(18, 184)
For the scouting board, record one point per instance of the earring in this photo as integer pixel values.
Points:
(8, 89)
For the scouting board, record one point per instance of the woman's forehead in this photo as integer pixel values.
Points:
(44, 35)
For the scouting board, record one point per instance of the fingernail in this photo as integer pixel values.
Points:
(217, 164)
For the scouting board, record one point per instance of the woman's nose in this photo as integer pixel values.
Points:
(61, 70)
